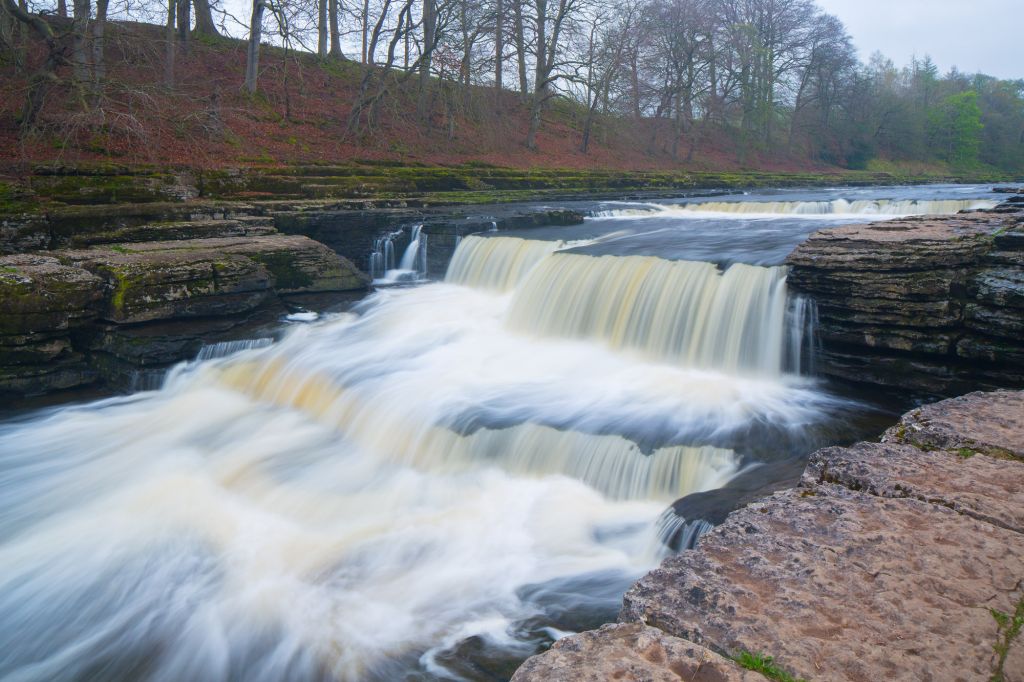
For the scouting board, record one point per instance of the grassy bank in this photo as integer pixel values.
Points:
(45, 187)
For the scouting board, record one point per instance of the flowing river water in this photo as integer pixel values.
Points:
(439, 483)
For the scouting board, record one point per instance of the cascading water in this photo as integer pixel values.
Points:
(496, 263)
(413, 265)
(669, 310)
(415, 257)
(479, 464)
(864, 207)
(383, 257)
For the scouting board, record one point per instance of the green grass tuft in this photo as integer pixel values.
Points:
(1010, 626)
(765, 665)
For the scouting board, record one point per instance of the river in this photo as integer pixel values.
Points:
(438, 483)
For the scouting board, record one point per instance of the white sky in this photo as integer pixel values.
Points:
(973, 35)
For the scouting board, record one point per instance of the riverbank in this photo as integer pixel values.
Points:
(383, 184)
(892, 560)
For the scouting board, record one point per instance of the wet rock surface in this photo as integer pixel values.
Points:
(931, 304)
(631, 652)
(900, 560)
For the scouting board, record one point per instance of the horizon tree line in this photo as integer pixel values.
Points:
(778, 77)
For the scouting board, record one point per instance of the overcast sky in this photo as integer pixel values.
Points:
(973, 35)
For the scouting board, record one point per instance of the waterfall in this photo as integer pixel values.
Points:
(415, 257)
(223, 349)
(413, 265)
(680, 311)
(383, 257)
(610, 464)
(837, 207)
(496, 263)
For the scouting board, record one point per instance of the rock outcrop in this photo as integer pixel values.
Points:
(69, 317)
(929, 304)
(633, 653)
(900, 560)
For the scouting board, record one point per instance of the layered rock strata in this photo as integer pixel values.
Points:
(900, 560)
(930, 304)
(71, 316)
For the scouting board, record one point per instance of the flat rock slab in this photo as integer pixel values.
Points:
(39, 292)
(989, 423)
(918, 243)
(632, 653)
(208, 277)
(983, 488)
(843, 585)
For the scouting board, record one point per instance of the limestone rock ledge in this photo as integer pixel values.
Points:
(929, 303)
(892, 560)
(633, 653)
(67, 314)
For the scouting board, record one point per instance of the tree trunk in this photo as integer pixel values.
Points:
(520, 37)
(171, 46)
(47, 75)
(366, 27)
(333, 10)
(499, 46)
(99, 64)
(426, 59)
(252, 61)
(80, 41)
(321, 27)
(62, 9)
(184, 22)
(204, 19)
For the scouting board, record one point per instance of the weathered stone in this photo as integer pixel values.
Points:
(927, 314)
(901, 285)
(164, 283)
(839, 584)
(298, 264)
(990, 423)
(933, 304)
(1006, 322)
(633, 653)
(40, 293)
(999, 287)
(981, 487)
(208, 277)
(1003, 351)
(1013, 666)
(923, 340)
(919, 244)
(69, 372)
(197, 229)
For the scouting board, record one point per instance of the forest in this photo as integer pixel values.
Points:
(642, 82)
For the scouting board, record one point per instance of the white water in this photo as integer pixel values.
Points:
(347, 503)
(680, 311)
(411, 268)
(497, 263)
(874, 208)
